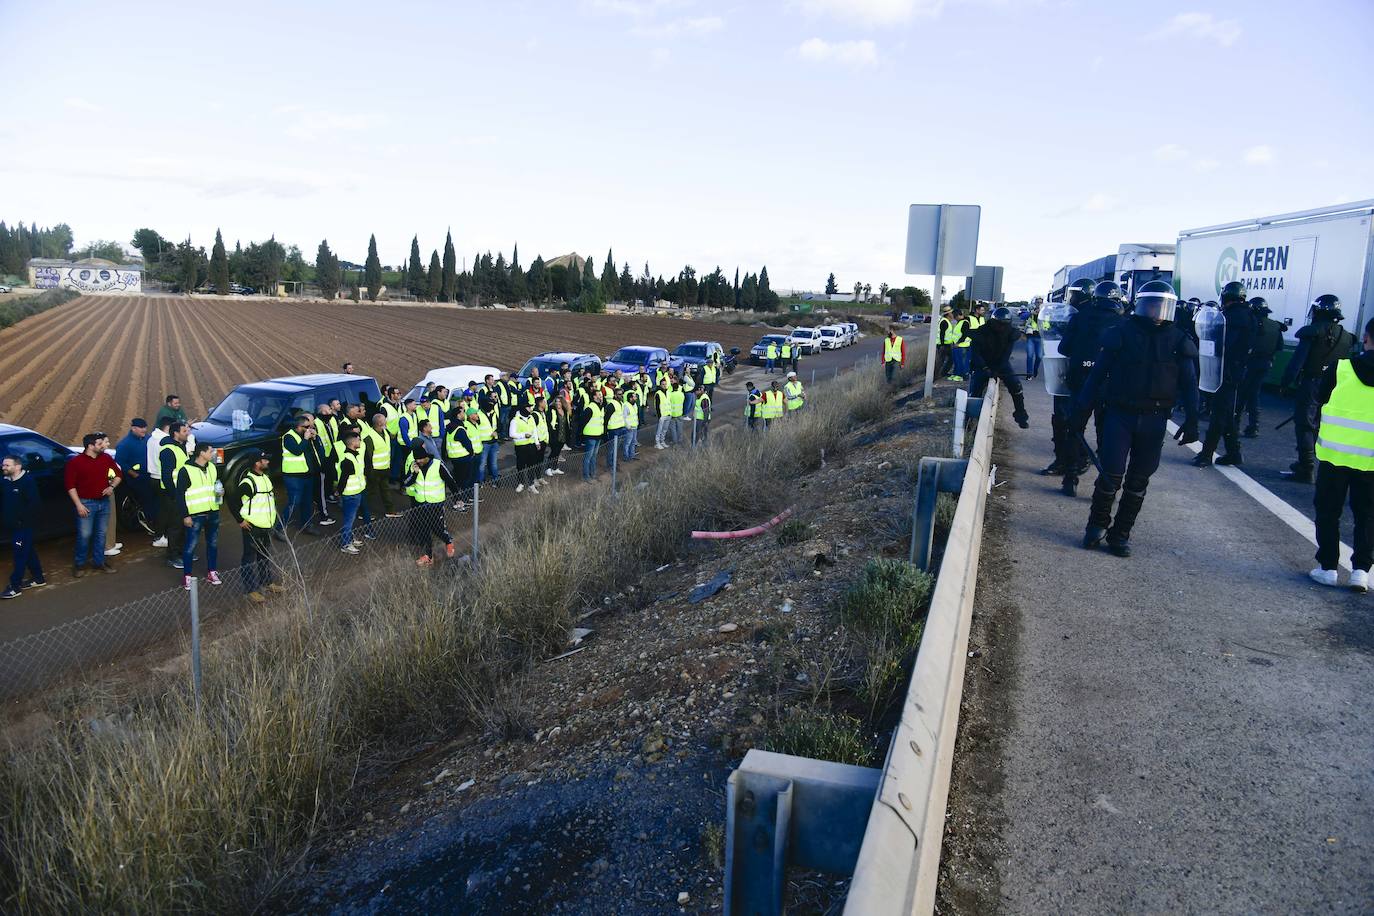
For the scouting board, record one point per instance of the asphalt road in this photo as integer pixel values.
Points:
(152, 590)
(1190, 727)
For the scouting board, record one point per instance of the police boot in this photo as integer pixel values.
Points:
(1054, 469)
(1231, 459)
(1092, 537)
(1069, 487)
(1019, 414)
(1251, 432)
(1298, 473)
(1119, 535)
(1203, 460)
(1100, 513)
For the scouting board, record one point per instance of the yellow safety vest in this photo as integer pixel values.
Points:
(959, 327)
(525, 427)
(703, 406)
(479, 430)
(429, 484)
(356, 482)
(179, 457)
(1346, 435)
(786, 350)
(793, 391)
(393, 419)
(200, 495)
(452, 447)
(381, 449)
(617, 420)
(596, 424)
(260, 508)
(631, 412)
(708, 374)
(676, 400)
(541, 428)
(432, 413)
(892, 349)
(412, 425)
(771, 352)
(772, 404)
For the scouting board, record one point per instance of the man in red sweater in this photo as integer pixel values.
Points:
(90, 479)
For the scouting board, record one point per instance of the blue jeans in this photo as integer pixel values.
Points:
(768, 365)
(26, 557)
(298, 500)
(631, 443)
(890, 368)
(1035, 352)
(349, 505)
(961, 362)
(486, 462)
(689, 401)
(398, 460)
(207, 522)
(588, 458)
(90, 532)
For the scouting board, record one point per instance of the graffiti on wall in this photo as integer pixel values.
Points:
(88, 279)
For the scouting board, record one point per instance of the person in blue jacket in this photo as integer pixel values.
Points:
(20, 504)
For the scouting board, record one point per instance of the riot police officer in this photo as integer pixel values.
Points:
(1076, 298)
(1320, 343)
(1232, 351)
(1081, 344)
(1143, 363)
(1054, 318)
(1268, 342)
(993, 342)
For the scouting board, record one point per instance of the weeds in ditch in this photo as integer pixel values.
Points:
(170, 809)
(793, 532)
(823, 735)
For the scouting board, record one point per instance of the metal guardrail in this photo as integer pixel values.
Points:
(882, 826)
(899, 861)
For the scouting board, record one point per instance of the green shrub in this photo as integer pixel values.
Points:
(14, 309)
(821, 735)
(793, 531)
(886, 608)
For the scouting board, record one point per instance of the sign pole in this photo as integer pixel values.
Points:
(935, 300)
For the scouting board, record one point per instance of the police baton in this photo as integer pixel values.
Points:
(1092, 456)
(1283, 424)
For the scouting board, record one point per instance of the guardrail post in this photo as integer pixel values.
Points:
(615, 461)
(195, 640)
(476, 512)
(934, 476)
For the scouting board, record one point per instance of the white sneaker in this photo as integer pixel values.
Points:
(520, 488)
(557, 472)
(1359, 580)
(350, 550)
(550, 472)
(1323, 576)
(114, 551)
(327, 521)
(213, 578)
(160, 542)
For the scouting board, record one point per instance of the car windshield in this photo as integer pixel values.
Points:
(690, 350)
(262, 408)
(632, 355)
(545, 366)
(828, 332)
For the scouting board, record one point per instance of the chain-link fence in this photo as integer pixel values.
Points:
(299, 564)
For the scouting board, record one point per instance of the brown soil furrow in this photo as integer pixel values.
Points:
(57, 392)
(25, 345)
(163, 386)
(134, 402)
(192, 358)
(222, 366)
(101, 400)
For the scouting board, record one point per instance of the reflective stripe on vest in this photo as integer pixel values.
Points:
(959, 327)
(356, 482)
(179, 457)
(259, 509)
(793, 391)
(596, 423)
(708, 374)
(525, 429)
(892, 350)
(429, 484)
(703, 405)
(200, 495)
(676, 400)
(786, 350)
(393, 419)
(541, 428)
(381, 449)
(631, 412)
(1346, 435)
(452, 447)
(771, 352)
(617, 420)
(772, 404)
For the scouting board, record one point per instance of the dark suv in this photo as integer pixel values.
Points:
(258, 414)
(548, 363)
(45, 461)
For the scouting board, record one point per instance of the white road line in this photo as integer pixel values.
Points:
(1262, 495)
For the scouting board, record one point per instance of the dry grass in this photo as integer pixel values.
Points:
(171, 809)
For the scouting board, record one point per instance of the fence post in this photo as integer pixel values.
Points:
(476, 512)
(615, 460)
(694, 430)
(195, 640)
(813, 376)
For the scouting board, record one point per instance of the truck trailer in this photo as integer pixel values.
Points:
(1289, 259)
(1133, 264)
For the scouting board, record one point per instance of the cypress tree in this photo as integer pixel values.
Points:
(448, 287)
(219, 266)
(434, 280)
(415, 271)
(519, 285)
(610, 280)
(327, 271)
(372, 270)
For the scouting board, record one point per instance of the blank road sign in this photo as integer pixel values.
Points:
(942, 239)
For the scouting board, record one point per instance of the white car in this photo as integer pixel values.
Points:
(806, 340)
(4, 289)
(853, 331)
(832, 338)
(454, 378)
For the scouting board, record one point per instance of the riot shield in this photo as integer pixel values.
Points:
(1054, 317)
(1210, 323)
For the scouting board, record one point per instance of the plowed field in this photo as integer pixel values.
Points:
(99, 360)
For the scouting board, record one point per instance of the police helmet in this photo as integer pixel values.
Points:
(1259, 306)
(1210, 303)
(1233, 292)
(1080, 292)
(1001, 313)
(1156, 300)
(1108, 289)
(1325, 306)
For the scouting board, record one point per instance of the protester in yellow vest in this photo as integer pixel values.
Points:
(424, 482)
(894, 353)
(255, 509)
(199, 494)
(796, 396)
(352, 483)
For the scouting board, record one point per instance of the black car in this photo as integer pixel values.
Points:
(258, 414)
(696, 352)
(44, 461)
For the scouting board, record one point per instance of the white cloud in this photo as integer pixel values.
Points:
(80, 104)
(873, 12)
(1201, 26)
(1259, 155)
(1206, 165)
(850, 53)
(700, 25)
(1171, 152)
(1099, 203)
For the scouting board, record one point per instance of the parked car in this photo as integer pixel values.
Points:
(806, 340)
(4, 289)
(756, 353)
(258, 414)
(45, 460)
(905, 318)
(832, 338)
(550, 362)
(696, 352)
(454, 378)
(631, 359)
(853, 328)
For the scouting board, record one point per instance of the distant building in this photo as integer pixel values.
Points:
(90, 275)
(985, 285)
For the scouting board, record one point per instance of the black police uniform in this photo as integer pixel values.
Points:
(1267, 343)
(1138, 375)
(1081, 343)
(1320, 344)
(1235, 354)
(992, 344)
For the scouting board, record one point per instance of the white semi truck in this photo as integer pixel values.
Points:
(1289, 259)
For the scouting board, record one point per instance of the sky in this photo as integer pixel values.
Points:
(786, 133)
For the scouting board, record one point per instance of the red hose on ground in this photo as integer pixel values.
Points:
(743, 532)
